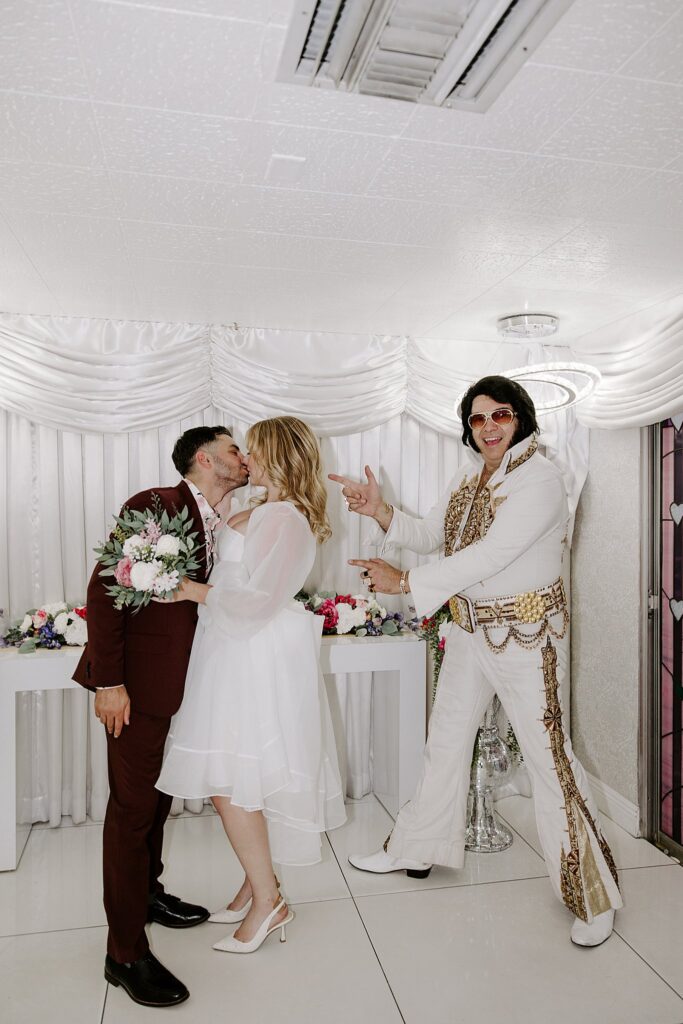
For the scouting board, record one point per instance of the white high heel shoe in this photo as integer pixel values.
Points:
(232, 945)
(228, 916)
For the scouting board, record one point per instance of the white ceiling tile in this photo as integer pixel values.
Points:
(323, 108)
(51, 236)
(48, 130)
(661, 58)
(599, 35)
(99, 286)
(616, 243)
(626, 121)
(258, 249)
(55, 189)
(171, 144)
(528, 111)
(571, 188)
(631, 280)
(38, 48)
(553, 272)
(260, 11)
(655, 202)
(22, 289)
(496, 232)
(259, 297)
(446, 174)
(324, 161)
(439, 273)
(172, 61)
(170, 200)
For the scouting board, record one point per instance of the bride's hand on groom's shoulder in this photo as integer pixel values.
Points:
(365, 499)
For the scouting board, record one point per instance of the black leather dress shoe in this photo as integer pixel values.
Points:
(173, 913)
(146, 981)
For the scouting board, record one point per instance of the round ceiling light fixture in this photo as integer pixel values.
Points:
(528, 325)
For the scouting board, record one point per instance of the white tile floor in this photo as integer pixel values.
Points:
(488, 943)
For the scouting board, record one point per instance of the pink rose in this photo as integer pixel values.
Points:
(122, 572)
(345, 599)
(40, 618)
(329, 610)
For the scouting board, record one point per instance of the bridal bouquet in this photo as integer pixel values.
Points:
(148, 554)
(52, 626)
(359, 614)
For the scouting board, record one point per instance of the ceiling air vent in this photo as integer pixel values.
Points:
(446, 53)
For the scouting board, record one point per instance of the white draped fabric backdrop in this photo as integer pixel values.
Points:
(89, 413)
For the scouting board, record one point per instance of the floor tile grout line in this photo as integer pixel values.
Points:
(54, 931)
(647, 963)
(372, 945)
(521, 836)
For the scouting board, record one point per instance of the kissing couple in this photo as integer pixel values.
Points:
(217, 692)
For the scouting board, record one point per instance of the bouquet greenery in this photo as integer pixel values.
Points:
(148, 553)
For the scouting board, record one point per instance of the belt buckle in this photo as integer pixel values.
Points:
(462, 612)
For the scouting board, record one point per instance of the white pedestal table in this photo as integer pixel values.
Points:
(398, 715)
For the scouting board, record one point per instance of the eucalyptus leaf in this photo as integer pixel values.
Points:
(28, 647)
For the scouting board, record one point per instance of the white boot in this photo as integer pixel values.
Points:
(596, 932)
(381, 863)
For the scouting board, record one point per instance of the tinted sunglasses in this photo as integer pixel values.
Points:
(503, 417)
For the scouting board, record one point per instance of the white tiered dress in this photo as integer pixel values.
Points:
(255, 724)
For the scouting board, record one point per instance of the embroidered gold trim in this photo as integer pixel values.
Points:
(524, 457)
(482, 511)
(580, 881)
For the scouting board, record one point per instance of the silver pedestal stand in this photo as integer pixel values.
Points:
(491, 767)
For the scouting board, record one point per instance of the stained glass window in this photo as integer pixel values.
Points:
(671, 639)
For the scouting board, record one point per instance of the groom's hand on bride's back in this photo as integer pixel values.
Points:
(365, 499)
(112, 707)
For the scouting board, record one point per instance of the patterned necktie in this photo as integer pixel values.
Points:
(210, 520)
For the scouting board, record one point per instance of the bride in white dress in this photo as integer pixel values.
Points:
(254, 731)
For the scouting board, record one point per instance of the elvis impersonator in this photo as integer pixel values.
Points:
(504, 530)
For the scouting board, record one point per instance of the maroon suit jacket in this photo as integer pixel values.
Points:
(148, 650)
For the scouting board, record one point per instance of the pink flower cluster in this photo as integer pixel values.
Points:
(122, 572)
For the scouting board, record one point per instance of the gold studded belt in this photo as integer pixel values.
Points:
(533, 606)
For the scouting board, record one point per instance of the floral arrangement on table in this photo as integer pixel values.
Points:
(357, 614)
(148, 553)
(52, 626)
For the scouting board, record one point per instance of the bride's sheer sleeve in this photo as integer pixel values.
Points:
(279, 552)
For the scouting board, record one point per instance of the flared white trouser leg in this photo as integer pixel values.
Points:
(431, 827)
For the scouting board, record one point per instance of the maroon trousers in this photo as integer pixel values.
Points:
(133, 833)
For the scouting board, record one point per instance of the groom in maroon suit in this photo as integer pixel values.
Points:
(137, 663)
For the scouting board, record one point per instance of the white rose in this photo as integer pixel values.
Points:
(132, 544)
(349, 618)
(167, 545)
(143, 575)
(26, 623)
(76, 633)
(444, 629)
(61, 622)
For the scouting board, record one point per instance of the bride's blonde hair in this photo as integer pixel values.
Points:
(288, 451)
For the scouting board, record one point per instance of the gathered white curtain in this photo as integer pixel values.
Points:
(641, 362)
(89, 413)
